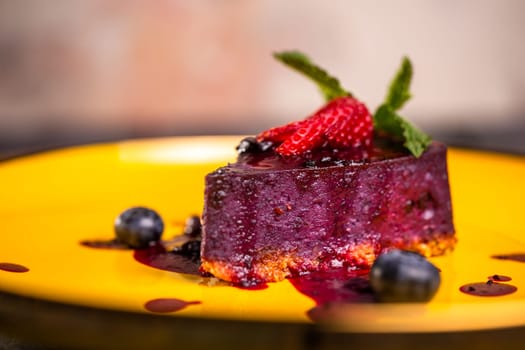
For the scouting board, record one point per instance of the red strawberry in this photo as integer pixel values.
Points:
(280, 133)
(305, 138)
(352, 126)
(342, 123)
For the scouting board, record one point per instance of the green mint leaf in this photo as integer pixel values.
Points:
(399, 91)
(387, 120)
(329, 86)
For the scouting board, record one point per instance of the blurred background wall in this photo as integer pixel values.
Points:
(76, 71)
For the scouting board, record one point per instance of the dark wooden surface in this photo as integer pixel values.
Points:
(60, 326)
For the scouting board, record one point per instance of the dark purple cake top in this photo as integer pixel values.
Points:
(268, 159)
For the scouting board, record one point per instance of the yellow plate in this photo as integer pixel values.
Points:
(52, 201)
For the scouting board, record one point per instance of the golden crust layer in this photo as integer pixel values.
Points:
(275, 265)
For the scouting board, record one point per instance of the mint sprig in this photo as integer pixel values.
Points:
(387, 120)
(399, 89)
(329, 85)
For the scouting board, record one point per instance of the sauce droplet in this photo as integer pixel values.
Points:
(104, 244)
(164, 305)
(10, 267)
(519, 257)
(499, 278)
(488, 289)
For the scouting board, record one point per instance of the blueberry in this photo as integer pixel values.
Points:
(251, 145)
(265, 145)
(402, 276)
(190, 249)
(248, 145)
(137, 227)
(193, 226)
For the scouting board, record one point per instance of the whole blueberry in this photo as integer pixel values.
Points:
(265, 145)
(190, 249)
(403, 276)
(248, 145)
(251, 145)
(137, 227)
(193, 226)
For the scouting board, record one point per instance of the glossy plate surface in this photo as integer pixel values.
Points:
(52, 201)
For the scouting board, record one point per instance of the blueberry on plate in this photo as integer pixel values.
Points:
(190, 249)
(138, 227)
(403, 276)
(193, 226)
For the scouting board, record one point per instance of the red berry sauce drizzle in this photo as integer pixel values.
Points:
(10, 267)
(323, 287)
(157, 257)
(326, 288)
(336, 286)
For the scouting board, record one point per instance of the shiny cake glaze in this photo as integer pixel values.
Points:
(267, 217)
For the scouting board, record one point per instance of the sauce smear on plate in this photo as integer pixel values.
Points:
(10, 267)
(163, 305)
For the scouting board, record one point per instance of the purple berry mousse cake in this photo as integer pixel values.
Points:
(331, 191)
(267, 217)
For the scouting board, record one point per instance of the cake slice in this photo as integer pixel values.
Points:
(266, 218)
(328, 192)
